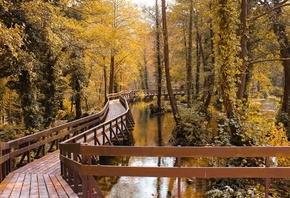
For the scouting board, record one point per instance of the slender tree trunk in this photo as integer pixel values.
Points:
(158, 54)
(10, 121)
(198, 63)
(105, 79)
(51, 102)
(166, 64)
(244, 50)
(77, 98)
(189, 58)
(141, 76)
(209, 82)
(146, 72)
(28, 101)
(112, 74)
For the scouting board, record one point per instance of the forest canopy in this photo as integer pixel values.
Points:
(61, 58)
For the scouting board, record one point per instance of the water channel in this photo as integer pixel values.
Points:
(155, 131)
(149, 131)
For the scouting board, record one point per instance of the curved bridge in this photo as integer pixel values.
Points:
(42, 177)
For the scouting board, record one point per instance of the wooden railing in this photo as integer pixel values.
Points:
(104, 133)
(77, 163)
(163, 92)
(116, 129)
(24, 150)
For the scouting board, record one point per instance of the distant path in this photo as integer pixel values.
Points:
(116, 109)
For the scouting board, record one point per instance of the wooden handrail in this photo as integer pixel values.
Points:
(87, 151)
(105, 127)
(171, 151)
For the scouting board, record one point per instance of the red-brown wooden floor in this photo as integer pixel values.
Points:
(40, 178)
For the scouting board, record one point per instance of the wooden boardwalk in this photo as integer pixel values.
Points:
(117, 107)
(41, 178)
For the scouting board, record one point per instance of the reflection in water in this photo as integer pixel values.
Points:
(155, 131)
(149, 131)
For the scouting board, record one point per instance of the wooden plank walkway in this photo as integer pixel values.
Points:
(116, 108)
(41, 178)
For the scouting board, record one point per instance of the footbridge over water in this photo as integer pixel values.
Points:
(63, 161)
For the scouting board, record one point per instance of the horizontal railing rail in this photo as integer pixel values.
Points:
(84, 167)
(163, 92)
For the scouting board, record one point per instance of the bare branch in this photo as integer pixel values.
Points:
(282, 4)
(268, 60)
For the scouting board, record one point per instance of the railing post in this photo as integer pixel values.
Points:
(1, 165)
(103, 132)
(111, 135)
(43, 148)
(95, 137)
(267, 180)
(179, 179)
(90, 185)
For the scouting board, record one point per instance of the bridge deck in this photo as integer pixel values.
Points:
(116, 108)
(41, 178)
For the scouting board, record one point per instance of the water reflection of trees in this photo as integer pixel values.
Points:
(106, 183)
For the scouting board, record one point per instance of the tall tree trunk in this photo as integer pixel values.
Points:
(77, 99)
(158, 56)
(144, 72)
(209, 81)
(146, 78)
(105, 79)
(244, 50)
(52, 100)
(227, 47)
(189, 58)
(112, 74)
(28, 101)
(141, 76)
(166, 64)
(280, 31)
(198, 63)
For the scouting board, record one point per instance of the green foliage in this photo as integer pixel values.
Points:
(182, 99)
(10, 132)
(223, 137)
(259, 123)
(229, 192)
(193, 128)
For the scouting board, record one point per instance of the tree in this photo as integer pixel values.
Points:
(244, 50)
(189, 57)
(122, 18)
(227, 48)
(166, 65)
(158, 57)
(279, 28)
(48, 49)
(21, 63)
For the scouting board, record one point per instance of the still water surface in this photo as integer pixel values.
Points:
(155, 131)
(149, 131)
